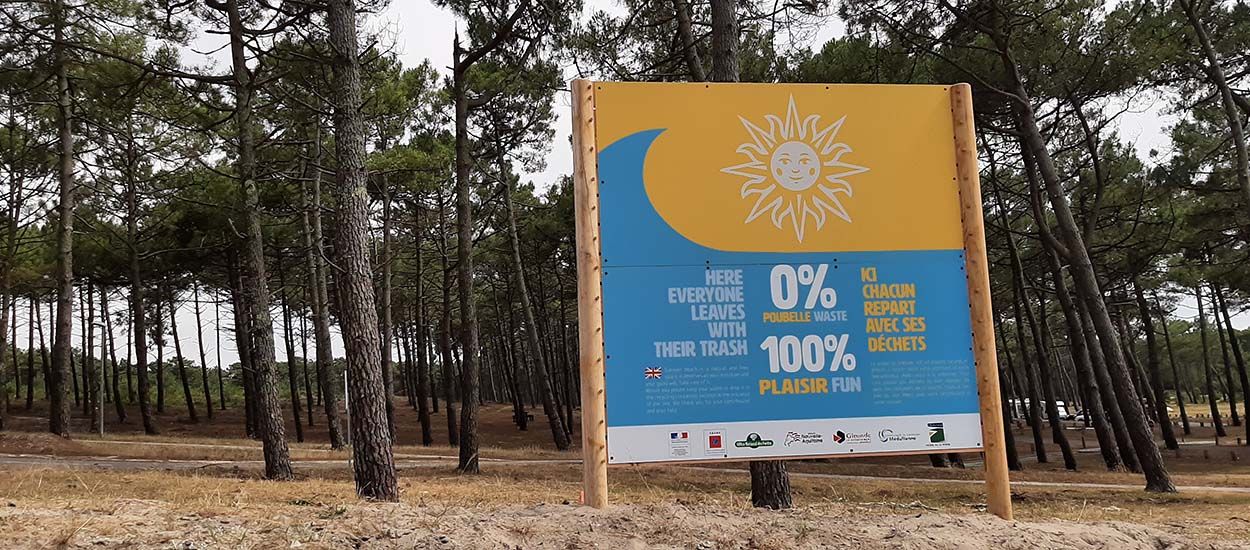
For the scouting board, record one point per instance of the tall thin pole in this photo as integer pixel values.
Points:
(589, 297)
(997, 484)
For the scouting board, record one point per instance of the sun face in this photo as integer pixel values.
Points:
(795, 172)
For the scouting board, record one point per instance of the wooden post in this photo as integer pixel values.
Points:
(589, 297)
(997, 485)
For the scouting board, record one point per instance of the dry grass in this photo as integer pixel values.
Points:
(440, 492)
(64, 506)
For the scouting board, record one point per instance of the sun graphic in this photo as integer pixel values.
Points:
(796, 170)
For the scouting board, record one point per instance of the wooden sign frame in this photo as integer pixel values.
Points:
(590, 300)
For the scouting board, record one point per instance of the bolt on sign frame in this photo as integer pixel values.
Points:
(781, 271)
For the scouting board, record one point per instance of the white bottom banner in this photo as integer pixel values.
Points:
(792, 438)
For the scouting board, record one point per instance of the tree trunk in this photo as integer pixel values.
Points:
(689, 46)
(244, 345)
(1237, 354)
(199, 342)
(141, 358)
(31, 321)
(255, 286)
(556, 423)
(1152, 366)
(770, 485)
(303, 345)
(444, 333)
(221, 384)
(108, 329)
(289, 340)
(1082, 270)
(1018, 297)
(1176, 375)
(1229, 386)
(1034, 407)
(182, 365)
(386, 314)
(725, 59)
(8, 301)
(1206, 367)
(82, 335)
(62, 345)
(1040, 328)
(469, 373)
(314, 257)
(159, 340)
(1086, 379)
(422, 377)
(1128, 453)
(1004, 368)
(17, 372)
(88, 362)
(1130, 354)
(368, 398)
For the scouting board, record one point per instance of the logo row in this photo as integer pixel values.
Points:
(714, 441)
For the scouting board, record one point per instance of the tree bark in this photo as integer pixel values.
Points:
(59, 407)
(689, 46)
(1176, 375)
(289, 340)
(88, 347)
(373, 462)
(444, 333)
(1229, 385)
(770, 485)
(1206, 367)
(314, 256)
(199, 341)
(725, 48)
(1004, 370)
(1082, 269)
(422, 378)
(255, 286)
(469, 373)
(73, 368)
(303, 344)
(386, 323)
(221, 384)
(182, 365)
(1086, 378)
(31, 322)
(1040, 329)
(559, 435)
(1034, 407)
(159, 340)
(8, 301)
(1237, 354)
(1152, 367)
(243, 344)
(112, 343)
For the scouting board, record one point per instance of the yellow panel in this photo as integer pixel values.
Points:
(794, 167)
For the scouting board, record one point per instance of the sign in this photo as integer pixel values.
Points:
(782, 263)
(781, 271)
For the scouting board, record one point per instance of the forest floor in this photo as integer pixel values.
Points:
(199, 486)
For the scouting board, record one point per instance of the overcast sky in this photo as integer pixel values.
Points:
(421, 31)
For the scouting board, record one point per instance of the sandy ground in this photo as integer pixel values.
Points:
(197, 487)
(153, 524)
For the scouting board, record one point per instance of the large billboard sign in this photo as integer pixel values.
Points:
(783, 271)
